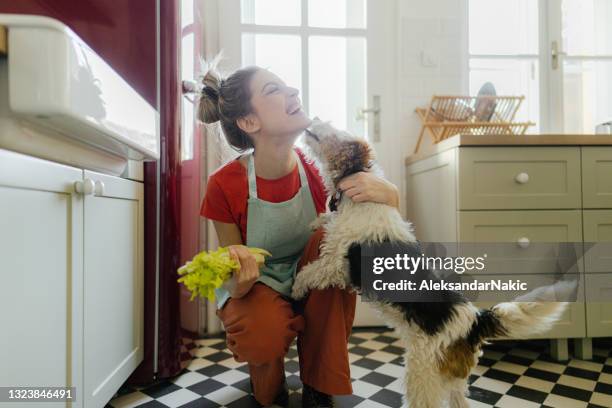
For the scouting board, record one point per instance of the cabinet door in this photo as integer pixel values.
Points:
(113, 292)
(431, 197)
(40, 274)
(597, 176)
(598, 240)
(599, 306)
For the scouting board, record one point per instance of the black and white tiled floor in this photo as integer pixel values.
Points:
(510, 374)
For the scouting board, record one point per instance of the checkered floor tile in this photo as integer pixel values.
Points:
(510, 374)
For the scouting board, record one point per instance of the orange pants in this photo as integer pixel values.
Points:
(261, 326)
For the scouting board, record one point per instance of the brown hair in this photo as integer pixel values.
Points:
(227, 100)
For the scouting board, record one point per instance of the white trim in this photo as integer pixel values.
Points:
(554, 77)
(465, 47)
(546, 115)
(588, 57)
(504, 56)
(305, 58)
(303, 30)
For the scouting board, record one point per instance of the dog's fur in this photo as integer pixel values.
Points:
(443, 339)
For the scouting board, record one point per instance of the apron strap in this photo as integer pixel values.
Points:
(303, 178)
(251, 177)
(253, 182)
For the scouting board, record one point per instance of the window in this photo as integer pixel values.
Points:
(188, 50)
(511, 45)
(315, 45)
(586, 35)
(503, 46)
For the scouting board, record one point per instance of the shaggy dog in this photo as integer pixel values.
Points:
(443, 338)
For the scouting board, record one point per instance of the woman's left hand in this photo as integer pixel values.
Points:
(363, 186)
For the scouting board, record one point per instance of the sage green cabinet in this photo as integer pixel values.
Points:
(525, 195)
(597, 177)
(521, 231)
(599, 304)
(511, 226)
(598, 241)
(492, 178)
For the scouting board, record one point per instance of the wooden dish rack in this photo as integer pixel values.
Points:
(474, 115)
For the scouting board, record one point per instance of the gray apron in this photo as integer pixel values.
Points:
(281, 228)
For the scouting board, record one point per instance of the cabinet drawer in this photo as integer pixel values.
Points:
(522, 231)
(598, 240)
(519, 178)
(599, 304)
(597, 177)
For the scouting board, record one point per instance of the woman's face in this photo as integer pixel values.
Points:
(276, 107)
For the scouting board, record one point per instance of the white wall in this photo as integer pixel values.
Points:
(434, 30)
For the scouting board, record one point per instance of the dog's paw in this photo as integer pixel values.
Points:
(298, 292)
(299, 289)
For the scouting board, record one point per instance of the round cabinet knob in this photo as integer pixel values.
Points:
(522, 178)
(99, 188)
(523, 242)
(85, 187)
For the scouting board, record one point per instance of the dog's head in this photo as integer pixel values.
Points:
(338, 153)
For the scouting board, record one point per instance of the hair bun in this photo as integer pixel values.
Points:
(208, 104)
(211, 92)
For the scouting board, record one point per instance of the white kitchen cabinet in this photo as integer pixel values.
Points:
(41, 275)
(71, 278)
(113, 285)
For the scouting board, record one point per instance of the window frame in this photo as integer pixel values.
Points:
(551, 106)
(234, 34)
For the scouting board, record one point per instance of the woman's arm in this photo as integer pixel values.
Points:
(364, 186)
(245, 277)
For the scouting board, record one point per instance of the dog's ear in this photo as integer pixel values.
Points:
(352, 157)
(363, 156)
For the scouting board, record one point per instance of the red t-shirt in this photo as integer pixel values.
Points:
(227, 191)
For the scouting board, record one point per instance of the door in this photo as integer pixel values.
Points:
(580, 64)
(41, 223)
(113, 285)
(340, 55)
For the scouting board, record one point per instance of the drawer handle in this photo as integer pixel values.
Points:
(85, 187)
(523, 242)
(522, 178)
(99, 188)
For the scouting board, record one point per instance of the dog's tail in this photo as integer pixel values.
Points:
(516, 320)
(529, 314)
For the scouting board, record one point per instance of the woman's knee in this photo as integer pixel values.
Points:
(261, 329)
(270, 338)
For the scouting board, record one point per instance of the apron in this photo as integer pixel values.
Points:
(281, 228)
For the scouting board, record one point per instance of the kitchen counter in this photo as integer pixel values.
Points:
(511, 140)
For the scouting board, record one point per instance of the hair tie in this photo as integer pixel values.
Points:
(211, 92)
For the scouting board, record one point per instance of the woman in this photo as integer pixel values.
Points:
(267, 199)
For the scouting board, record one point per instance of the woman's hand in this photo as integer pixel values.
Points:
(247, 273)
(363, 186)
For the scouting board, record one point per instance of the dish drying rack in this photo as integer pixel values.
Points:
(474, 115)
